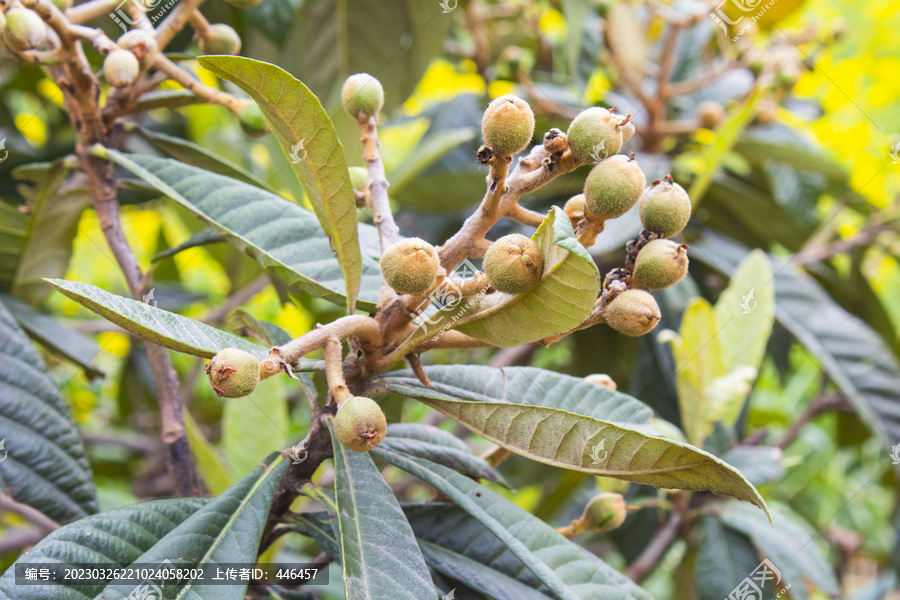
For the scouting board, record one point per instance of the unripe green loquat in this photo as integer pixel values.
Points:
(360, 424)
(121, 68)
(410, 266)
(604, 512)
(359, 178)
(24, 30)
(233, 373)
(633, 313)
(613, 186)
(594, 134)
(219, 38)
(659, 264)
(665, 208)
(363, 95)
(514, 264)
(507, 125)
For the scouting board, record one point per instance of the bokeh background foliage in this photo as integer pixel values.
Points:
(810, 183)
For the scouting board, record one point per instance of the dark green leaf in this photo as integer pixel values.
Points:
(44, 464)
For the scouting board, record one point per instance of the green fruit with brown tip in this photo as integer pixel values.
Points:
(233, 373)
(121, 68)
(659, 264)
(359, 178)
(24, 30)
(574, 208)
(141, 43)
(360, 424)
(594, 134)
(613, 186)
(633, 312)
(665, 208)
(362, 95)
(410, 266)
(219, 38)
(602, 380)
(604, 512)
(514, 264)
(507, 125)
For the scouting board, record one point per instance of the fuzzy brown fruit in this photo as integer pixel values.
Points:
(233, 373)
(410, 266)
(633, 312)
(141, 43)
(514, 264)
(360, 424)
(659, 264)
(594, 134)
(507, 125)
(362, 95)
(121, 68)
(24, 30)
(665, 208)
(359, 178)
(219, 38)
(574, 208)
(613, 186)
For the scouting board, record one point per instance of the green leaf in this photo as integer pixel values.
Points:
(426, 153)
(463, 461)
(275, 18)
(475, 575)
(63, 341)
(101, 539)
(198, 156)
(44, 464)
(277, 233)
(225, 530)
(790, 545)
(297, 118)
(204, 237)
(394, 40)
(55, 211)
(254, 425)
(380, 555)
(155, 324)
(580, 443)
(745, 312)
(246, 325)
(210, 462)
(566, 569)
(726, 559)
(522, 385)
(562, 299)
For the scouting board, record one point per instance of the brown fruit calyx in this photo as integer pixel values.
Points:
(659, 264)
(507, 125)
(233, 373)
(514, 264)
(360, 424)
(633, 313)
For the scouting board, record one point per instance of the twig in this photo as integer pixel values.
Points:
(175, 21)
(33, 515)
(364, 328)
(19, 539)
(817, 406)
(235, 300)
(388, 232)
(209, 94)
(651, 555)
